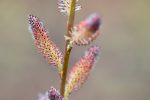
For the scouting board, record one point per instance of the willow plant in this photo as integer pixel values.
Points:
(81, 34)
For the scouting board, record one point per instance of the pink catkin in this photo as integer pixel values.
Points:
(44, 44)
(81, 70)
(86, 31)
(52, 94)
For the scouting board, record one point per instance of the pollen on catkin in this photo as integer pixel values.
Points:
(44, 44)
(81, 70)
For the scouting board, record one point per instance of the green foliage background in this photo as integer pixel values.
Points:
(122, 73)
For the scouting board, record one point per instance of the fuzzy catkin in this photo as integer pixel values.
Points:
(81, 70)
(44, 44)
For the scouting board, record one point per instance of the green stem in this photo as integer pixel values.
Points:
(64, 74)
(67, 50)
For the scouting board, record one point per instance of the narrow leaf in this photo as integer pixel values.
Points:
(81, 70)
(44, 44)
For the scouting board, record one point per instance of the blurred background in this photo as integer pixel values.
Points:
(122, 73)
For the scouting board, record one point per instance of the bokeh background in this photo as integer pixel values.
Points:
(122, 73)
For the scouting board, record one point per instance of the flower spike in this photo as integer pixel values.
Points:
(52, 94)
(44, 44)
(65, 5)
(86, 31)
(81, 70)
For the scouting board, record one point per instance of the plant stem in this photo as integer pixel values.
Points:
(64, 75)
(67, 50)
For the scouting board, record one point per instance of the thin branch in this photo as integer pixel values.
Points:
(67, 50)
